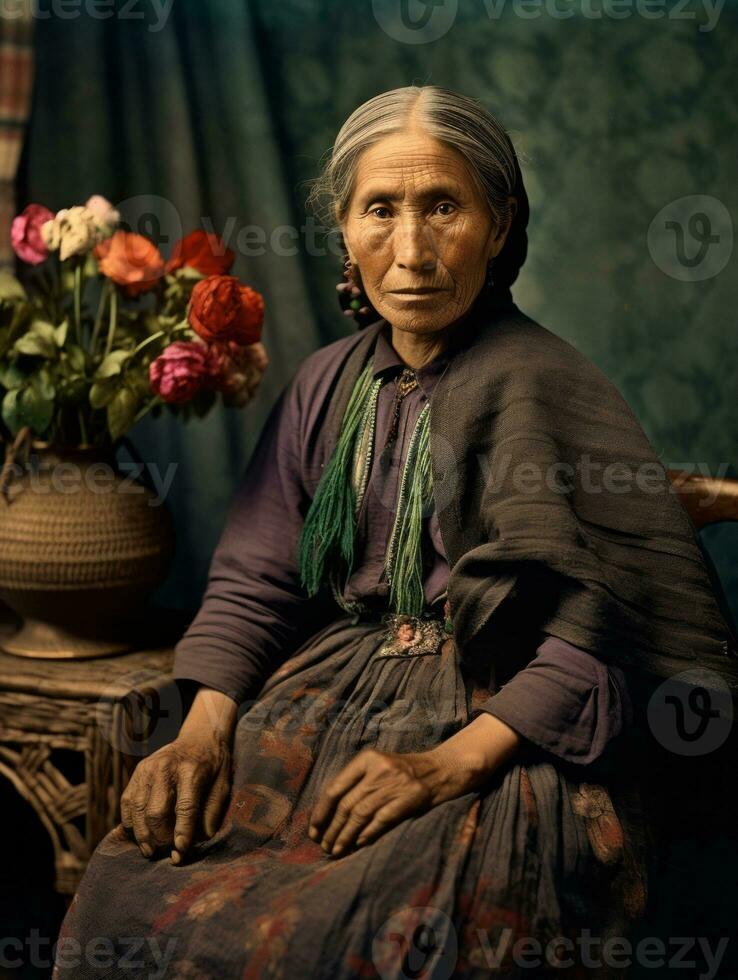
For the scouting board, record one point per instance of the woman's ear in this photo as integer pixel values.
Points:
(352, 257)
(500, 232)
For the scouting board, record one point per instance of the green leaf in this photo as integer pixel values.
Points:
(36, 410)
(112, 363)
(75, 357)
(44, 329)
(44, 382)
(60, 334)
(10, 288)
(11, 376)
(187, 272)
(121, 412)
(102, 392)
(11, 412)
(34, 343)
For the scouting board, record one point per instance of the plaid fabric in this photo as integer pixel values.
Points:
(16, 81)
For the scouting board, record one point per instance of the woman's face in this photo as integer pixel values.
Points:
(419, 231)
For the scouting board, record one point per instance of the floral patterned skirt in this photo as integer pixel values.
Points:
(499, 882)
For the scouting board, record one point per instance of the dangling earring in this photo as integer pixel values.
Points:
(489, 280)
(352, 299)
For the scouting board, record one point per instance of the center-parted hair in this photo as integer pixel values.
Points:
(458, 121)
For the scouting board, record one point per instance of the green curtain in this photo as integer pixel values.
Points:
(221, 110)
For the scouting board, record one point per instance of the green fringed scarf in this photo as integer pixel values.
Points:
(326, 548)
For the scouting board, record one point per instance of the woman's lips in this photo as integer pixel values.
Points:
(416, 294)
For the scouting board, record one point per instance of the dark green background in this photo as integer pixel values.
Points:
(225, 111)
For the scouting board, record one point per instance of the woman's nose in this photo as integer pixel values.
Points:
(414, 248)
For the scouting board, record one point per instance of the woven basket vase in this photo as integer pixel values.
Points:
(81, 550)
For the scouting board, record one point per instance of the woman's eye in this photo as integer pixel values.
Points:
(446, 204)
(380, 207)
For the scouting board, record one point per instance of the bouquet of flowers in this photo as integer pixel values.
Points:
(170, 334)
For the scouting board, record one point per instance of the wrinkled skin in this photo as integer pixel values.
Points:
(438, 232)
(178, 794)
(417, 219)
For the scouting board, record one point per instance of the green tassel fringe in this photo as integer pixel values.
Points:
(330, 525)
(405, 559)
(326, 548)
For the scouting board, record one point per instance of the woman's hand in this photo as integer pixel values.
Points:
(377, 790)
(180, 791)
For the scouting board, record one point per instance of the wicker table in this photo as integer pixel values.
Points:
(71, 733)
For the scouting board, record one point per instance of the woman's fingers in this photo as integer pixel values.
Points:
(159, 813)
(135, 813)
(374, 791)
(216, 802)
(385, 817)
(343, 832)
(325, 807)
(190, 787)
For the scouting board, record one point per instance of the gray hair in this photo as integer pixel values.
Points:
(454, 119)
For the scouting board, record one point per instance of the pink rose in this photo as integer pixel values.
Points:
(236, 370)
(106, 216)
(25, 234)
(179, 372)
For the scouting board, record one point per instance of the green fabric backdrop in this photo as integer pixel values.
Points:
(224, 111)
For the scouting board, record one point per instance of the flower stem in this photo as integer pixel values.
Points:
(157, 335)
(82, 426)
(113, 321)
(142, 411)
(78, 300)
(104, 296)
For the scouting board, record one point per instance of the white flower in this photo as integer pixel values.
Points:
(73, 231)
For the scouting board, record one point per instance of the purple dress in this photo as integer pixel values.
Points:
(551, 845)
(565, 700)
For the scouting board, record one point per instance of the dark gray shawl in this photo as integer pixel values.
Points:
(531, 448)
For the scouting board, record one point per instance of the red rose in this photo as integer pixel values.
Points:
(222, 309)
(204, 251)
(179, 372)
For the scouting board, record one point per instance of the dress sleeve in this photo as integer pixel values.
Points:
(255, 613)
(565, 701)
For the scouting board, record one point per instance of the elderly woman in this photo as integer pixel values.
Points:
(415, 663)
